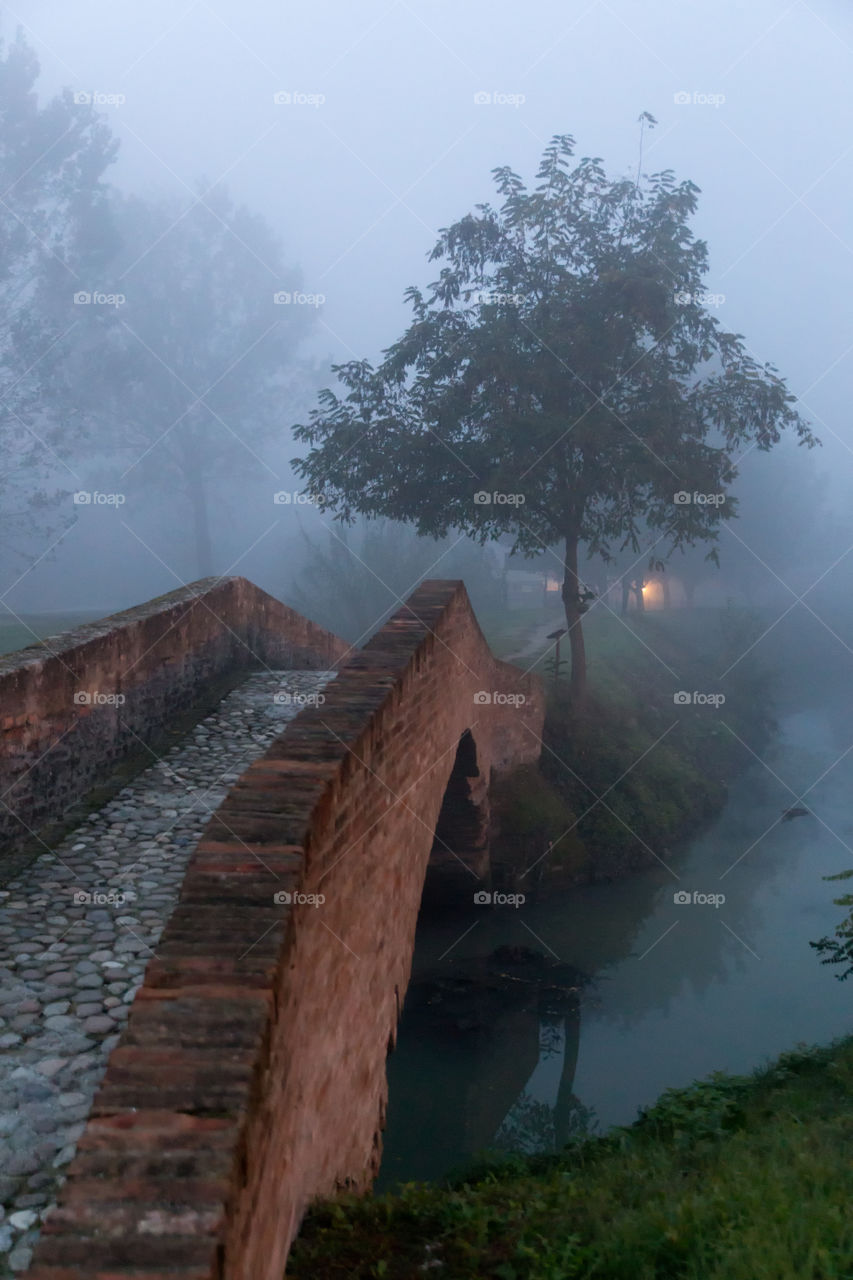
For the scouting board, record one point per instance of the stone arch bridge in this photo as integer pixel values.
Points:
(250, 1074)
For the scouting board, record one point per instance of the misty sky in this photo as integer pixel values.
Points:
(358, 183)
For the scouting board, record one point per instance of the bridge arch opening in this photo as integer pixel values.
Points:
(459, 858)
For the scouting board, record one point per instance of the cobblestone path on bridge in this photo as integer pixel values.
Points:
(78, 927)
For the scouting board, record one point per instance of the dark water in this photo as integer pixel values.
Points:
(674, 991)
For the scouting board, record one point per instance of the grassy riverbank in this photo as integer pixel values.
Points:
(734, 1178)
(641, 768)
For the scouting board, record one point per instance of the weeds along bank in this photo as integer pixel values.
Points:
(733, 1178)
(677, 702)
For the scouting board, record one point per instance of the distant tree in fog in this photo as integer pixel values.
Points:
(562, 380)
(54, 230)
(781, 524)
(351, 581)
(191, 371)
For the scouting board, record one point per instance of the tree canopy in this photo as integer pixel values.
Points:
(561, 380)
(185, 378)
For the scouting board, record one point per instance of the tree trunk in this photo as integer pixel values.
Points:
(572, 605)
(567, 1106)
(201, 525)
(667, 595)
(626, 592)
(638, 593)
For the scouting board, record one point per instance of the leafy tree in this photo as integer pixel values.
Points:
(839, 948)
(563, 361)
(192, 368)
(53, 229)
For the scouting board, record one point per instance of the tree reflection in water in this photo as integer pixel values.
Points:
(482, 1028)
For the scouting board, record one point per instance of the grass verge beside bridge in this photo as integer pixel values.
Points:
(641, 770)
(733, 1178)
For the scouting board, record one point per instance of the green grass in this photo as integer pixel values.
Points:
(659, 768)
(507, 630)
(32, 627)
(734, 1178)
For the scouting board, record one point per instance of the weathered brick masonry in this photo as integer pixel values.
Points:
(251, 1075)
(158, 658)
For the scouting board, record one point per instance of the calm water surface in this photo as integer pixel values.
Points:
(674, 991)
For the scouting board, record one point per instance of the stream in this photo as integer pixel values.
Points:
(635, 991)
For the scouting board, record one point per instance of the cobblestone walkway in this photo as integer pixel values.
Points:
(78, 927)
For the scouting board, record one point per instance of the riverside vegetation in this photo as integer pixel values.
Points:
(635, 772)
(733, 1178)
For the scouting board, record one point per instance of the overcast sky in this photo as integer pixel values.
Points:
(384, 140)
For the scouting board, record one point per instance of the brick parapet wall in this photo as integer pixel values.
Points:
(158, 658)
(251, 1075)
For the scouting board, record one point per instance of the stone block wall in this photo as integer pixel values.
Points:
(251, 1075)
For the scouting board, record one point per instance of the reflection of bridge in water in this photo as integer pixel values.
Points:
(479, 1029)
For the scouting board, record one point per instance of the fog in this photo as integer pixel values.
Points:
(383, 142)
(553, 298)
